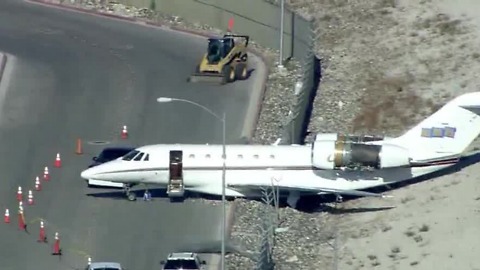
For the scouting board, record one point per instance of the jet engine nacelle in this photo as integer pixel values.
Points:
(348, 138)
(332, 155)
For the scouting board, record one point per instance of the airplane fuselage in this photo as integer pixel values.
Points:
(283, 166)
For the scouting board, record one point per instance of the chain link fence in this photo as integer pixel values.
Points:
(298, 119)
(267, 229)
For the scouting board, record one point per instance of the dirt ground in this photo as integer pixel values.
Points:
(390, 64)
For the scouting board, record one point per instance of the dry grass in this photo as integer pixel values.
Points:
(441, 24)
(390, 104)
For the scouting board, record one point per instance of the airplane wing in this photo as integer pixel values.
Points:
(317, 190)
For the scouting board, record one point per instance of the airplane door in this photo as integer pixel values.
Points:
(176, 165)
(175, 183)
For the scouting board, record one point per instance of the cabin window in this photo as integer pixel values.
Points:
(191, 156)
(240, 156)
(207, 155)
(146, 157)
(272, 156)
(255, 156)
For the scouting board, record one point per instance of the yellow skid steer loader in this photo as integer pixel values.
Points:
(226, 60)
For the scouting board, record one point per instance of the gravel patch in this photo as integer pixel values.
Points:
(386, 65)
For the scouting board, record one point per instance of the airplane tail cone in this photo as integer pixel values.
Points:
(56, 246)
(79, 149)
(58, 161)
(46, 174)
(124, 134)
(7, 216)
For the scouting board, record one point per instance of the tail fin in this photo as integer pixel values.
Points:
(447, 132)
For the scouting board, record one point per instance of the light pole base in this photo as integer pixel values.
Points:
(282, 70)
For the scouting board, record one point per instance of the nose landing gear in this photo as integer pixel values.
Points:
(131, 196)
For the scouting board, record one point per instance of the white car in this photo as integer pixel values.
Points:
(108, 154)
(104, 266)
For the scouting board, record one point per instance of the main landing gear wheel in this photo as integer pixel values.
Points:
(130, 195)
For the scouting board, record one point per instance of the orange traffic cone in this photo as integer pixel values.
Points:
(79, 150)
(124, 134)
(56, 246)
(58, 161)
(38, 185)
(21, 219)
(46, 174)
(7, 216)
(19, 194)
(30, 197)
(42, 238)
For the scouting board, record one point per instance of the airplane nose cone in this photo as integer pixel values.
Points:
(87, 174)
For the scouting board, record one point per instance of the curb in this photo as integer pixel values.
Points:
(230, 220)
(250, 125)
(3, 64)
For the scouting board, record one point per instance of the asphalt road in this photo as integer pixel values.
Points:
(78, 76)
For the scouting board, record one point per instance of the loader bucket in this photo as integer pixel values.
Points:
(207, 78)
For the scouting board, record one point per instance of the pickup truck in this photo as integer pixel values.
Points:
(183, 260)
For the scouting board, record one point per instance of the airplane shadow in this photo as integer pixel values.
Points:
(339, 211)
(156, 193)
(214, 247)
(316, 203)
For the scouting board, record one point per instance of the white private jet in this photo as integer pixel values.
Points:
(333, 163)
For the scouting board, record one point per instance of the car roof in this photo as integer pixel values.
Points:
(182, 255)
(105, 264)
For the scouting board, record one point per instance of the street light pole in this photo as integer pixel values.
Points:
(224, 207)
(224, 165)
(282, 18)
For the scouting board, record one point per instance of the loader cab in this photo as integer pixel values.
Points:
(219, 49)
(175, 189)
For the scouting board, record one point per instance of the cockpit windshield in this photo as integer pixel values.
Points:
(136, 155)
(130, 155)
(215, 51)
